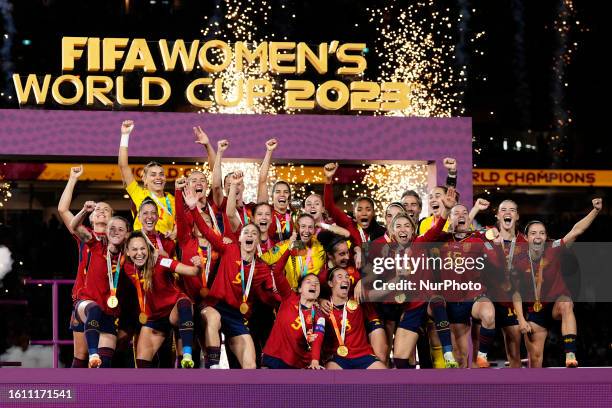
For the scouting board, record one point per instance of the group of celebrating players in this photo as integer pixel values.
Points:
(286, 288)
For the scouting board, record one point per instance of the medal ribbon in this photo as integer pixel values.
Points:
(303, 321)
(362, 234)
(279, 227)
(332, 317)
(142, 298)
(213, 218)
(510, 253)
(160, 247)
(537, 279)
(112, 280)
(510, 256)
(304, 266)
(245, 291)
(167, 207)
(206, 259)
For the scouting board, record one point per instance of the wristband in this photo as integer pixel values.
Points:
(325, 226)
(125, 139)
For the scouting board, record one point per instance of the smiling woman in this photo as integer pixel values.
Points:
(153, 179)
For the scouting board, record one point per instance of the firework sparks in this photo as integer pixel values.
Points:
(416, 41)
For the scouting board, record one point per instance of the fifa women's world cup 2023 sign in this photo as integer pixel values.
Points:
(95, 72)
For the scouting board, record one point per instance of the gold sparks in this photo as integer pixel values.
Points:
(242, 20)
(417, 47)
(385, 183)
(5, 192)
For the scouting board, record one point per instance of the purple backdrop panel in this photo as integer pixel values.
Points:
(588, 388)
(72, 134)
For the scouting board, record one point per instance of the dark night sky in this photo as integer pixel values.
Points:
(518, 89)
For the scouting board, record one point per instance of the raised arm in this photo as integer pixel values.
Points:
(230, 208)
(217, 182)
(63, 207)
(126, 173)
(183, 224)
(78, 219)
(262, 184)
(284, 289)
(451, 166)
(435, 232)
(215, 240)
(202, 138)
(584, 223)
(334, 212)
(480, 205)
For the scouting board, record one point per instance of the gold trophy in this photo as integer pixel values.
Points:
(296, 207)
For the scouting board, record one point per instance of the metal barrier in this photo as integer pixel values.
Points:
(55, 341)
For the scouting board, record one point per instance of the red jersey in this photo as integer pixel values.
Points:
(499, 285)
(227, 286)
(189, 245)
(385, 247)
(281, 227)
(245, 213)
(96, 286)
(163, 294)
(84, 260)
(355, 339)
(454, 253)
(549, 267)
(359, 236)
(167, 244)
(287, 340)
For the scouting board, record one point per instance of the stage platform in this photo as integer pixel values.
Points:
(582, 387)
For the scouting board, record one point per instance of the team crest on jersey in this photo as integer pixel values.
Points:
(237, 279)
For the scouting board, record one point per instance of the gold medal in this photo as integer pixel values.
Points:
(401, 298)
(351, 305)
(142, 318)
(244, 308)
(537, 306)
(490, 234)
(204, 292)
(112, 301)
(342, 351)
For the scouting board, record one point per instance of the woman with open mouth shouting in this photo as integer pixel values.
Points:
(98, 299)
(346, 342)
(465, 306)
(162, 305)
(297, 334)
(363, 211)
(414, 312)
(540, 284)
(193, 244)
(154, 181)
(499, 286)
(99, 220)
(240, 272)
(307, 255)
